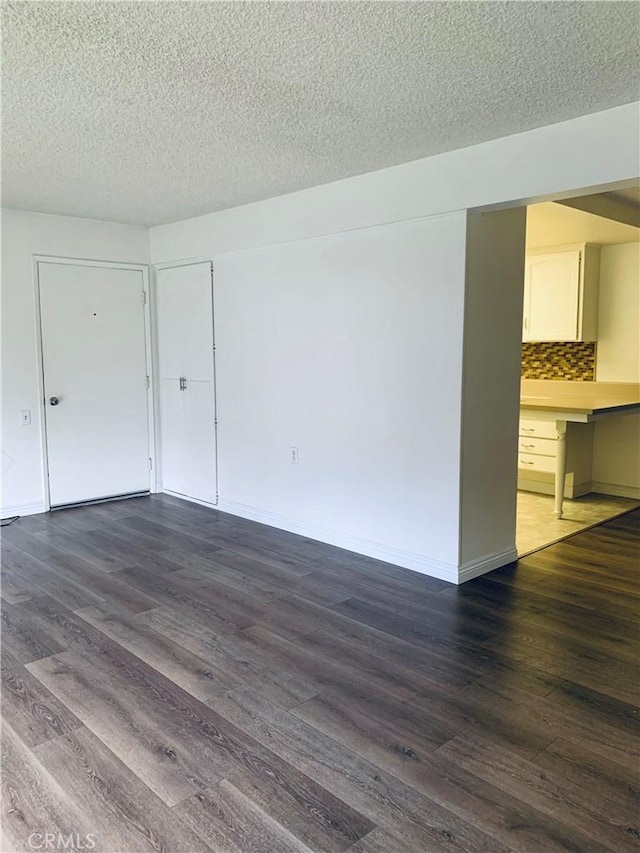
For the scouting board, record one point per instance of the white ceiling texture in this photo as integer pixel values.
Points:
(150, 112)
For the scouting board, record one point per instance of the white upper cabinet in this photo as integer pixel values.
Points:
(561, 294)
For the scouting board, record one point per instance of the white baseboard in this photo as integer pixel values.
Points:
(24, 509)
(406, 559)
(547, 487)
(617, 490)
(475, 568)
(190, 499)
(571, 491)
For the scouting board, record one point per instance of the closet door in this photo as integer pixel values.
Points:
(184, 300)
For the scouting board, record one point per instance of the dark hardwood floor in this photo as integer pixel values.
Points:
(176, 679)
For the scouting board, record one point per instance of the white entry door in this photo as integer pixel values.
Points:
(184, 302)
(95, 381)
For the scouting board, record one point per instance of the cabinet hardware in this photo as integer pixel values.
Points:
(528, 429)
(527, 445)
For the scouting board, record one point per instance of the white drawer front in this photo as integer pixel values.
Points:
(537, 429)
(529, 462)
(539, 446)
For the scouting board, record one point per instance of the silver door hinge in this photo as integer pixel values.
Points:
(144, 297)
(150, 463)
(148, 381)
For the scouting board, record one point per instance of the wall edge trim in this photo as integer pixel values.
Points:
(419, 563)
(618, 490)
(199, 501)
(23, 509)
(482, 565)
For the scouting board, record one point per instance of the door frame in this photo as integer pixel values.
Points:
(155, 268)
(151, 429)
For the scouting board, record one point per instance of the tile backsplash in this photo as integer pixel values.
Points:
(559, 360)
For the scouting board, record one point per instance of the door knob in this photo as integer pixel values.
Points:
(53, 401)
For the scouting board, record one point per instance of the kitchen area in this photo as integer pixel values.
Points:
(579, 428)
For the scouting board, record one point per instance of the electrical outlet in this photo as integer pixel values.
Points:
(294, 456)
(25, 417)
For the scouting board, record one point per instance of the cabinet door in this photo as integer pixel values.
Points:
(185, 321)
(199, 450)
(175, 476)
(552, 297)
(187, 383)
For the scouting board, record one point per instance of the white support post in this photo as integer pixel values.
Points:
(561, 466)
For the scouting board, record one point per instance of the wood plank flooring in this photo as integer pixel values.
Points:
(176, 679)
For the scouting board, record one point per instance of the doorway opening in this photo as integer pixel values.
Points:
(580, 353)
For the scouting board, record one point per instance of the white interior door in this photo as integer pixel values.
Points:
(184, 302)
(95, 381)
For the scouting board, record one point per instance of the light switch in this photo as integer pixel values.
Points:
(25, 417)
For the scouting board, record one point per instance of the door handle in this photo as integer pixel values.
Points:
(53, 401)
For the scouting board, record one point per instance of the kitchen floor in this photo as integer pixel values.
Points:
(537, 526)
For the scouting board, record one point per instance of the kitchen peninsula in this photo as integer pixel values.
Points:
(547, 406)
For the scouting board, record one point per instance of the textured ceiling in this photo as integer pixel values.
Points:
(152, 112)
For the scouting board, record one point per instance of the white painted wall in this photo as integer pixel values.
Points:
(291, 342)
(595, 150)
(619, 314)
(491, 388)
(616, 457)
(616, 450)
(25, 235)
(339, 346)
(551, 161)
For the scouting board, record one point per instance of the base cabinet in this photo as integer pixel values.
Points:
(537, 450)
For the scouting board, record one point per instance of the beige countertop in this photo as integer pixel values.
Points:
(584, 398)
